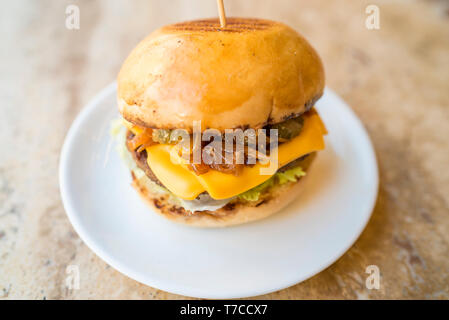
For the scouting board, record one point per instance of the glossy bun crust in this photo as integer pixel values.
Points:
(249, 74)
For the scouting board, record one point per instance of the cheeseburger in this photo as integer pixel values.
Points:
(256, 77)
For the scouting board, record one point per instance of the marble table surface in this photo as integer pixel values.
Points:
(396, 78)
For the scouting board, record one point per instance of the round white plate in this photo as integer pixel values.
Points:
(247, 260)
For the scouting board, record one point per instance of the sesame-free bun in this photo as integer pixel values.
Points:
(277, 198)
(249, 74)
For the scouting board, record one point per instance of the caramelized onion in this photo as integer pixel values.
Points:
(199, 168)
(234, 169)
(142, 140)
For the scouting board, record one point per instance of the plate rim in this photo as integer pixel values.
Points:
(189, 291)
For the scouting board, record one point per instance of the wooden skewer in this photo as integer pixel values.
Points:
(221, 12)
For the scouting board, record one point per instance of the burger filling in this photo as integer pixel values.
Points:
(144, 150)
(142, 138)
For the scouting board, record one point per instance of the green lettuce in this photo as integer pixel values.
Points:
(290, 175)
(254, 193)
(280, 178)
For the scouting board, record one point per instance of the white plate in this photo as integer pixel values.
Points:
(242, 261)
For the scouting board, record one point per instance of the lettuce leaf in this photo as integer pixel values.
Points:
(254, 193)
(290, 175)
(280, 178)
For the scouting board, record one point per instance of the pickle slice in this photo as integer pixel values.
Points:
(288, 129)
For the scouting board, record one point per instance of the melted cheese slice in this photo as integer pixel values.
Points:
(185, 184)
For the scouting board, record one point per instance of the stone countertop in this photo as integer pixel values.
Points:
(395, 78)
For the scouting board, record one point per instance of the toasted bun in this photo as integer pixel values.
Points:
(249, 74)
(235, 213)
